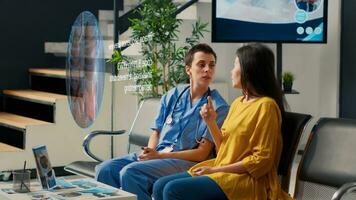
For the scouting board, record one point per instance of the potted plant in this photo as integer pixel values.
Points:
(288, 78)
(167, 68)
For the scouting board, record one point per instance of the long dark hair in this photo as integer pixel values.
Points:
(258, 74)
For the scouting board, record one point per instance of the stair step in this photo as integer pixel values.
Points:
(32, 103)
(107, 15)
(189, 13)
(49, 72)
(8, 148)
(35, 96)
(107, 30)
(60, 48)
(17, 121)
(51, 80)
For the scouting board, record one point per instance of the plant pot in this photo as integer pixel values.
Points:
(287, 87)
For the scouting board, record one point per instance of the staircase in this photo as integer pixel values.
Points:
(30, 107)
(107, 29)
(40, 115)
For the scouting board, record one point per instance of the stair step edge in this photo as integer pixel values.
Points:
(8, 148)
(35, 96)
(19, 122)
(49, 72)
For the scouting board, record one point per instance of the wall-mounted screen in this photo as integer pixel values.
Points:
(291, 21)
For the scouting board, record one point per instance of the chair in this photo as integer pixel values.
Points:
(293, 127)
(329, 161)
(138, 136)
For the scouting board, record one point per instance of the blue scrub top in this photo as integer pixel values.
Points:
(187, 123)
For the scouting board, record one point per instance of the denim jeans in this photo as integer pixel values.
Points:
(137, 177)
(182, 186)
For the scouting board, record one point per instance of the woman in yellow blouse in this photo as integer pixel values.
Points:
(249, 144)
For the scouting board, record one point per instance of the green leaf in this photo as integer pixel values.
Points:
(157, 18)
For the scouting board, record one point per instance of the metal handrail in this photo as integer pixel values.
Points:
(344, 189)
(90, 136)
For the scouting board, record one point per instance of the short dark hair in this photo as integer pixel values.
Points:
(198, 48)
(258, 74)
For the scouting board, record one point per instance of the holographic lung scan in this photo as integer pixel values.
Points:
(85, 68)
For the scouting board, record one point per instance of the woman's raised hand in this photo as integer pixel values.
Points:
(207, 112)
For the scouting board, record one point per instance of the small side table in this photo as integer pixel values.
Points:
(69, 189)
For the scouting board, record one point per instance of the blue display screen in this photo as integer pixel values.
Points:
(44, 168)
(270, 21)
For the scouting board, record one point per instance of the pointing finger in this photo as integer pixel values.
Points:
(210, 103)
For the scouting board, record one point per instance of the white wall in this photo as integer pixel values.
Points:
(316, 67)
(225, 51)
(125, 107)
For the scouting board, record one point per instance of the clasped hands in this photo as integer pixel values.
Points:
(207, 112)
(149, 154)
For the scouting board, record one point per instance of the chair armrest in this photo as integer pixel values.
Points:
(344, 189)
(90, 136)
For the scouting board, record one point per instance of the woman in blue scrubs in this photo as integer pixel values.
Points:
(179, 139)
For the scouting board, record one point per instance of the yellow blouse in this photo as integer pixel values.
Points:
(251, 134)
